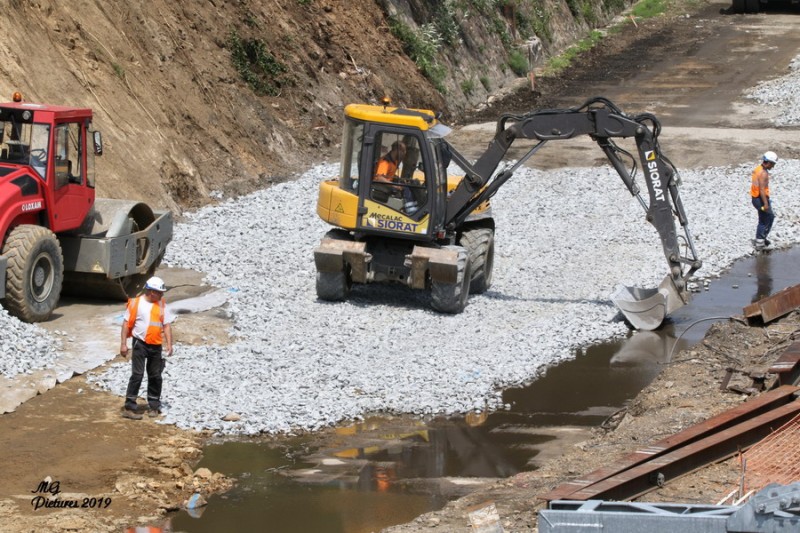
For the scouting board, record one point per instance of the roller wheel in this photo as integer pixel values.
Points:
(35, 272)
(84, 284)
(751, 6)
(738, 6)
(479, 242)
(335, 286)
(452, 297)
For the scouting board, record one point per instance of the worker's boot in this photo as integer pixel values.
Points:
(760, 244)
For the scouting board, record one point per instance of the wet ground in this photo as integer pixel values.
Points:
(382, 472)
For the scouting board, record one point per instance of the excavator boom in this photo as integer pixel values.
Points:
(602, 121)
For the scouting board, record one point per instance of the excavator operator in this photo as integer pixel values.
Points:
(388, 164)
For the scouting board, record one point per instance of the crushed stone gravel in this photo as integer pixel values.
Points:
(301, 364)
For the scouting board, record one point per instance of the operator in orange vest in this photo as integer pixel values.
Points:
(148, 321)
(759, 192)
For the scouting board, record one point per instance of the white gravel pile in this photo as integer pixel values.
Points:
(24, 347)
(560, 249)
(783, 93)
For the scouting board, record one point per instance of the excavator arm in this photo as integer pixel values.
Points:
(603, 121)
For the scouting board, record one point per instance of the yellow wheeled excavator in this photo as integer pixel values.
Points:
(401, 218)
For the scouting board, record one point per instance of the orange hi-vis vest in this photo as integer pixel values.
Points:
(155, 326)
(755, 190)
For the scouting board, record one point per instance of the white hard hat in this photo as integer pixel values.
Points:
(156, 284)
(770, 157)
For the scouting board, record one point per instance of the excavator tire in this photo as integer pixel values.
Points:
(452, 297)
(34, 274)
(334, 286)
(738, 6)
(751, 6)
(479, 242)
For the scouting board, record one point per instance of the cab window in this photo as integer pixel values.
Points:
(68, 154)
(398, 178)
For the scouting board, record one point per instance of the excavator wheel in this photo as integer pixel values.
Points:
(334, 286)
(479, 242)
(34, 274)
(452, 297)
(738, 6)
(751, 6)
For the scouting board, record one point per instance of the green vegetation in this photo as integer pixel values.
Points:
(613, 6)
(649, 8)
(445, 21)
(467, 86)
(256, 65)
(518, 63)
(562, 61)
(485, 82)
(421, 46)
(118, 70)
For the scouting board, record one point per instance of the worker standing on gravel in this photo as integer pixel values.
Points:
(148, 321)
(759, 191)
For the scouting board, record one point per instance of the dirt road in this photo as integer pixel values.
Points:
(689, 68)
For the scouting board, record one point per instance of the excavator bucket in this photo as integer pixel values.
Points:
(646, 309)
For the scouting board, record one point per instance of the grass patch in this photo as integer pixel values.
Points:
(262, 72)
(518, 63)
(422, 47)
(558, 63)
(649, 8)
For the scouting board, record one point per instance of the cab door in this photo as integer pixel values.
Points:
(72, 195)
(395, 188)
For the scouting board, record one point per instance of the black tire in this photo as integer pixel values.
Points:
(335, 286)
(738, 6)
(452, 297)
(751, 6)
(479, 242)
(35, 272)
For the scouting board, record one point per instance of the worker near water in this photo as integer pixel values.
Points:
(759, 192)
(148, 321)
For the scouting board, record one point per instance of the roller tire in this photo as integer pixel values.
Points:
(335, 286)
(479, 242)
(738, 6)
(452, 297)
(35, 272)
(751, 6)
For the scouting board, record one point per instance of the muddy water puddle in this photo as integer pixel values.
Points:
(385, 471)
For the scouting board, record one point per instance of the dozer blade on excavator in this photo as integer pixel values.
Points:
(646, 309)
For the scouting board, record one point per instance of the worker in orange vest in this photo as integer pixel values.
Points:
(759, 192)
(148, 321)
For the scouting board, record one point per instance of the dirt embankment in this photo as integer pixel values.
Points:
(231, 96)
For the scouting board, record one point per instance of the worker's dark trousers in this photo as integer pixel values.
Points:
(148, 355)
(765, 219)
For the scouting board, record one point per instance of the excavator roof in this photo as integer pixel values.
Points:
(422, 119)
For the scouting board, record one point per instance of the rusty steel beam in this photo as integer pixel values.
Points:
(775, 306)
(648, 476)
(738, 414)
(787, 366)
